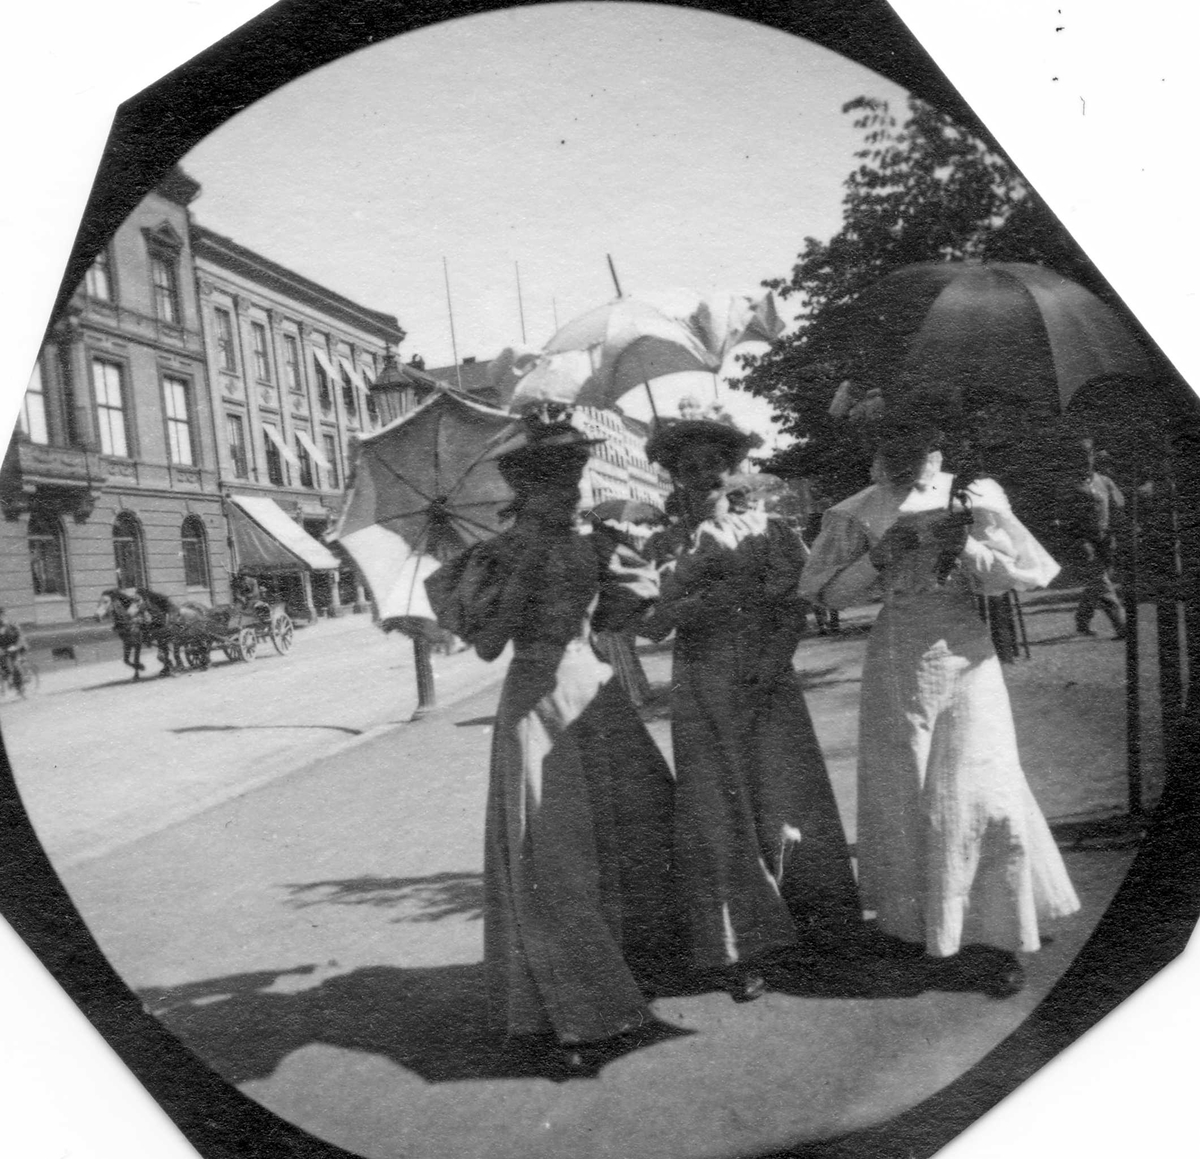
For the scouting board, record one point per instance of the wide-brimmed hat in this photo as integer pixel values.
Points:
(672, 435)
(540, 454)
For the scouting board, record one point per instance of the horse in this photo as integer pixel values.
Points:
(141, 616)
(130, 622)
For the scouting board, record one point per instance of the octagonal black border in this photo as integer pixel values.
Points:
(1147, 924)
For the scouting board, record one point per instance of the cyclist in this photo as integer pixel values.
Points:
(12, 649)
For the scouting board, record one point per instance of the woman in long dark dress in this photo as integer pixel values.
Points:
(762, 856)
(577, 866)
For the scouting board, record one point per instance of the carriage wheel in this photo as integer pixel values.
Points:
(197, 655)
(247, 644)
(283, 632)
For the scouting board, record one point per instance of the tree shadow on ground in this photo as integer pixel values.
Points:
(430, 1021)
(1065, 639)
(423, 899)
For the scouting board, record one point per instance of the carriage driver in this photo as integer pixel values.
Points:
(249, 594)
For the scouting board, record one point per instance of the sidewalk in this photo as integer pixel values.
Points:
(318, 942)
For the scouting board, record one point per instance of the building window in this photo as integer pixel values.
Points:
(330, 445)
(274, 459)
(110, 407)
(226, 355)
(262, 363)
(235, 431)
(97, 282)
(195, 552)
(128, 555)
(165, 277)
(306, 467)
(179, 431)
(33, 408)
(372, 410)
(368, 367)
(324, 387)
(47, 556)
(348, 399)
(291, 362)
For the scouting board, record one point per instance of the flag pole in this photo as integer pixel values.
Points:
(613, 270)
(450, 311)
(520, 304)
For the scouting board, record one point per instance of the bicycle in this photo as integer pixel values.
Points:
(18, 673)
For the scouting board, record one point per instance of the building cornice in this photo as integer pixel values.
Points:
(238, 259)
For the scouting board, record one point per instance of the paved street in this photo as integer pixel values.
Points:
(100, 761)
(300, 903)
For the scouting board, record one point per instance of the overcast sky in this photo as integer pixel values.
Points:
(699, 150)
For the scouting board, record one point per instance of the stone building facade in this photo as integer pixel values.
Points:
(112, 476)
(185, 372)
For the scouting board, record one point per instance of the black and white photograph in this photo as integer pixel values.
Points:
(599, 579)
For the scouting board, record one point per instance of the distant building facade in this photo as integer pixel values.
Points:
(291, 366)
(618, 467)
(186, 372)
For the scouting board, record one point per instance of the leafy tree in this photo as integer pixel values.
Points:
(924, 190)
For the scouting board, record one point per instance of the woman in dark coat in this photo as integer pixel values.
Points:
(762, 855)
(577, 866)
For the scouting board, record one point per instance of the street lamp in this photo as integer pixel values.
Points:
(399, 388)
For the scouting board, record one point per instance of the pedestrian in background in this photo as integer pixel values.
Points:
(828, 619)
(1091, 507)
(762, 858)
(954, 856)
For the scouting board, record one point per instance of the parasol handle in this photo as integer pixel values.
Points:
(650, 396)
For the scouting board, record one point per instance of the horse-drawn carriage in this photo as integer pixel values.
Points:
(237, 630)
(188, 632)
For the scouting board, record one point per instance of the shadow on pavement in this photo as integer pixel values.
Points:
(430, 1021)
(824, 677)
(248, 727)
(425, 899)
(475, 721)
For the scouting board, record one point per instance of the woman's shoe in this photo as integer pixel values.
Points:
(1006, 978)
(745, 985)
(989, 970)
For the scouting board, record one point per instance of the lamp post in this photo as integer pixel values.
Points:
(396, 390)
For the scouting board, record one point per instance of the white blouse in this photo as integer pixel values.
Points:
(1000, 554)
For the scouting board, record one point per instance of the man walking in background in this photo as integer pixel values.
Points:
(1092, 506)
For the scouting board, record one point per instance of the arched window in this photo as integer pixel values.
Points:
(195, 552)
(47, 554)
(128, 553)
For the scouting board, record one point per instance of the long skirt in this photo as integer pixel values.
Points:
(952, 847)
(578, 886)
(762, 855)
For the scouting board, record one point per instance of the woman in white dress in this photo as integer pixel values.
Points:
(954, 854)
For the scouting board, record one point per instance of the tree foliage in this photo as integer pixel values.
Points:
(924, 190)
